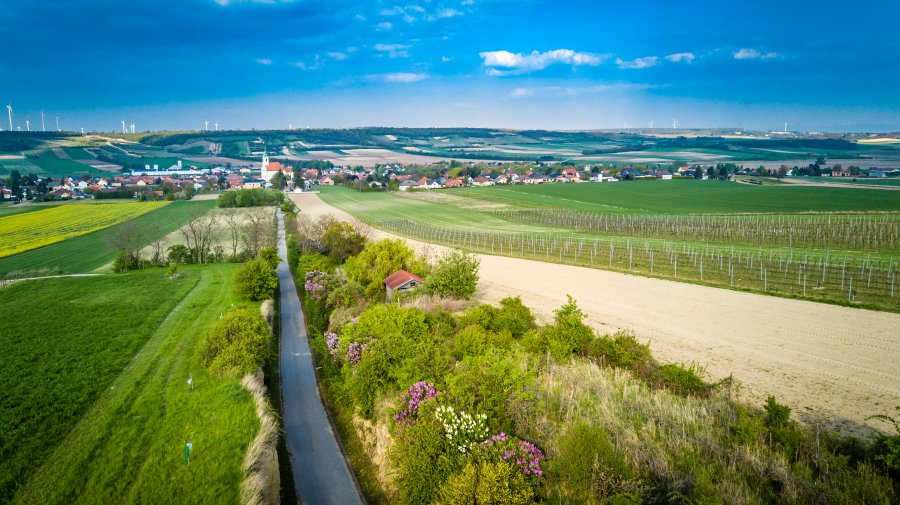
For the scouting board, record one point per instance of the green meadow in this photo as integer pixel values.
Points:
(97, 407)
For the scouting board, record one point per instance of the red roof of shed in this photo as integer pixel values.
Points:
(399, 278)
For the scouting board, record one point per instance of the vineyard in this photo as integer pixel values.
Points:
(857, 232)
(23, 232)
(851, 278)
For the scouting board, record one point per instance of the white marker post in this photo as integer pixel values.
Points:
(187, 452)
(190, 381)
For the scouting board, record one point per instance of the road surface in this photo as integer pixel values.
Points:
(321, 474)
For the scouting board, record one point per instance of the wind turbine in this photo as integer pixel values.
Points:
(674, 124)
(206, 125)
(123, 127)
(43, 127)
(27, 125)
(651, 124)
(785, 127)
(132, 127)
(57, 123)
(217, 126)
(9, 110)
(82, 130)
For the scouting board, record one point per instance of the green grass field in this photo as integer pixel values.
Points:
(51, 165)
(98, 407)
(688, 197)
(92, 252)
(23, 165)
(7, 209)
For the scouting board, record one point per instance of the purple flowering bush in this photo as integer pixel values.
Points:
(354, 352)
(525, 455)
(333, 342)
(315, 284)
(412, 399)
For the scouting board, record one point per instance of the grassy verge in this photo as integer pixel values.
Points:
(130, 445)
(93, 251)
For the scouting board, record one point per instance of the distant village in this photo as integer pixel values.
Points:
(181, 181)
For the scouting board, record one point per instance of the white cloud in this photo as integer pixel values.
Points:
(404, 77)
(577, 90)
(394, 50)
(517, 63)
(746, 53)
(446, 59)
(337, 55)
(645, 62)
(360, 17)
(226, 3)
(315, 65)
(386, 25)
(264, 61)
(679, 57)
(445, 13)
(521, 92)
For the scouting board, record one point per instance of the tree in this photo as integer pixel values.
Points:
(455, 274)
(377, 261)
(128, 240)
(238, 344)
(256, 279)
(197, 235)
(342, 241)
(259, 232)
(278, 180)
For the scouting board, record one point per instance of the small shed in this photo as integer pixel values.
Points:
(402, 281)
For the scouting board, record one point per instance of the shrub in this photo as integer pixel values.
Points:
(568, 334)
(485, 383)
(238, 344)
(487, 484)
(179, 253)
(511, 316)
(255, 280)
(588, 465)
(270, 256)
(777, 415)
(680, 379)
(423, 458)
(342, 240)
(454, 275)
(474, 340)
(622, 350)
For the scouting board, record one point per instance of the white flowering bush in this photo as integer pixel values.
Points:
(462, 429)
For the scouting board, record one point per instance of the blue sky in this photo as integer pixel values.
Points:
(171, 64)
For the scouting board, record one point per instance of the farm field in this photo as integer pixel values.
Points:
(23, 232)
(688, 197)
(836, 365)
(23, 165)
(850, 259)
(50, 164)
(114, 409)
(93, 251)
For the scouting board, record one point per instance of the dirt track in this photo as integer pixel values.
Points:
(831, 364)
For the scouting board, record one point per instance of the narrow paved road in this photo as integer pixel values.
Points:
(321, 474)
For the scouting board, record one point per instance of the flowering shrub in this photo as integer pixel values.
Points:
(463, 430)
(413, 397)
(315, 284)
(332, 341)
(355, 351)
(523, 454)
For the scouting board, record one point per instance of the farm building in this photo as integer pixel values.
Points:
(402, 281)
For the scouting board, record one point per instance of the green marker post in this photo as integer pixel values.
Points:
(187, 452)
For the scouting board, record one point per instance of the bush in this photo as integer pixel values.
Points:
(423, 458)
(622, 350)
(255, 280)
(250, 198)
(588, 465)
(512, 316)
(562, 339)
(238, 344)
(455, 275)
(179, 253)
(680, 380)
(487, 484)
(270, 255)
(341, 241)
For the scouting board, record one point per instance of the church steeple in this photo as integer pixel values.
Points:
(265, 161)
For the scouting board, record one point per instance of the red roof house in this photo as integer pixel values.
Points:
(402, 281)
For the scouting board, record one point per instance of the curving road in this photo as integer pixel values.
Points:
(321, 474)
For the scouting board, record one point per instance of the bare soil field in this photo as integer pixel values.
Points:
(834, 365)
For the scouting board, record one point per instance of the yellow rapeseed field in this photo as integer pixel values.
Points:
(23, 232)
